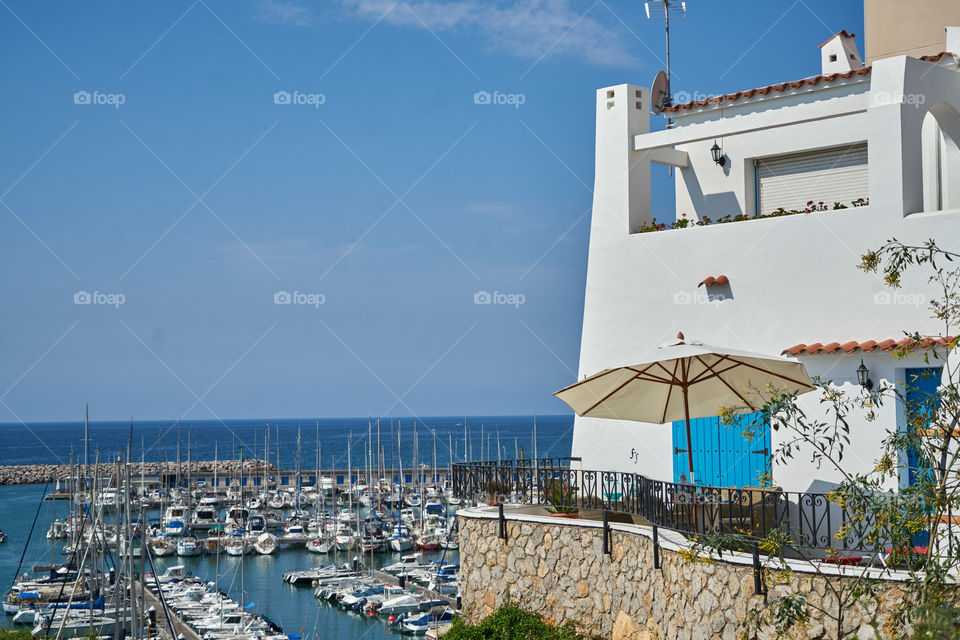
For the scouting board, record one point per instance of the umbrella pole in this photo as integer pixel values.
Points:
(686, 411)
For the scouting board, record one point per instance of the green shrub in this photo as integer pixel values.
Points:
(510, 622)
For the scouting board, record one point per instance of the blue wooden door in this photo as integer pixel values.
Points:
(921, 397)
(737, 455)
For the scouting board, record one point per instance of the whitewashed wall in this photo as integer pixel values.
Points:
(792, 279)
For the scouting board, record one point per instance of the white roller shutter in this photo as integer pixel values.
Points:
(838, 174)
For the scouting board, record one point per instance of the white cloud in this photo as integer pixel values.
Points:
(527, 29)
(281, 12)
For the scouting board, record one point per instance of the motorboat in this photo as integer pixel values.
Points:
(419, 625)
(204, 517)
(189, 546)
(257, 524)
(405, 603)
(434, 506)
(174, 528)
(295, 533)
(408, 563)
(175, 573)
(428, 542)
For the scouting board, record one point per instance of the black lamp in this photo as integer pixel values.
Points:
(717, 154)
(863, 376)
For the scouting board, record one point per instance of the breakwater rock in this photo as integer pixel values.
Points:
(43, 473)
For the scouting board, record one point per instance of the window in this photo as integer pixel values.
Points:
(838, 174)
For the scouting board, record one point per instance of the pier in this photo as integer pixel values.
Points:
(165, 622)
(388, 578)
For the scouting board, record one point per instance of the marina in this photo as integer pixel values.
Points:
(346, 550)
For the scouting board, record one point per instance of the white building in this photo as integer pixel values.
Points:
(887, 134)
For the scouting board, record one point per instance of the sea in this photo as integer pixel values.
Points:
(258, 579)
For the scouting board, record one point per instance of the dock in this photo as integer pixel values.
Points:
(389, 578)
(164, 623)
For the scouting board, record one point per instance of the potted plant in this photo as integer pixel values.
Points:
(562, 500)
(495, 490)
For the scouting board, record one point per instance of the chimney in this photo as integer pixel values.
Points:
(953, 40)
(839, 54)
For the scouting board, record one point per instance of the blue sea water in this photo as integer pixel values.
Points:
(53, 442)
(295, 609)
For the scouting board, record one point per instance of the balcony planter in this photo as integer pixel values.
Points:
(562, 500)
(495, 493)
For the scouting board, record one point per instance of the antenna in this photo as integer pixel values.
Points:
(664, 10)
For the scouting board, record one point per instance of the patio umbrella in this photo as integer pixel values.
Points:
(683, 380)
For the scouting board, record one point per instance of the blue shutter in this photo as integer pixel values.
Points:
(922, 386)
(723, 456)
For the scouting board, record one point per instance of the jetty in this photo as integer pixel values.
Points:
(389, 578)
(166, 618)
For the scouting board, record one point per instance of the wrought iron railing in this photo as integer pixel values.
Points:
(805, 523)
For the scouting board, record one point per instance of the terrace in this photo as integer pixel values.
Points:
(811, 526)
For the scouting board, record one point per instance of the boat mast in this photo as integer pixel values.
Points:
(179, 468)
(299, 480)
(319, 486)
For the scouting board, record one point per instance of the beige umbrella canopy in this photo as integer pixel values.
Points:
(683, 380)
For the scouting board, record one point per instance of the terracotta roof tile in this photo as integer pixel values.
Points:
(842, 32)
(869, 345)
(710, 281)
(784, 86)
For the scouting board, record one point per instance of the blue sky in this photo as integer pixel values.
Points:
(387, 194)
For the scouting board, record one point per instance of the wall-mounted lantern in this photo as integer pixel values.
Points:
(863, 376)
(717, 154)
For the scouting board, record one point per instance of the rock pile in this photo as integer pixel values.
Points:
(42, 473)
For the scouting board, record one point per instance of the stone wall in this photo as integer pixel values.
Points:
(42, 473)
(559, 571)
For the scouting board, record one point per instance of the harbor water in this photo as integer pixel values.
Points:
(295, 609)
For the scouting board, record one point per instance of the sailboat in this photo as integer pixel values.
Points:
(265, 544)
(237, 545)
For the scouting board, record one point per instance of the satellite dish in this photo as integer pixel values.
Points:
(660, 93)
